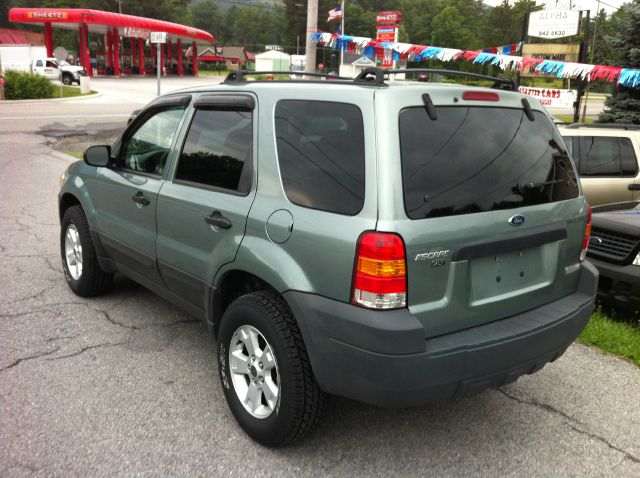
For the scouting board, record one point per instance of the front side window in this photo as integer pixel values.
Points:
(321, 154)
(476, 159)
(217, 151)
(148, 148)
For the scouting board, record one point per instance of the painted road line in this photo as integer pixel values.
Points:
(62, 117)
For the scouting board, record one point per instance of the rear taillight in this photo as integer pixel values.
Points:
(480, 96)
(587, 235)
(380, 271)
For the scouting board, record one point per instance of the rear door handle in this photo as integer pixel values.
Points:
(141, 199)
(634, 187)
(218, 220)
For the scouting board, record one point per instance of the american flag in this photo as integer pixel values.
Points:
(335, 14)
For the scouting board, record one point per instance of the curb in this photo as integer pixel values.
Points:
(64, 157)
(52, 100)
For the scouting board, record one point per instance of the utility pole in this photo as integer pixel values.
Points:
(312, 27)
(593, 47)
(342, 33)
(583, 59)
(119, 6)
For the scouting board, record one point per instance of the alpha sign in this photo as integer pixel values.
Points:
(553, 23)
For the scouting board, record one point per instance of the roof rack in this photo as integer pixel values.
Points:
(628, 127)
(377, 76)
(372, 76)
(239, 75)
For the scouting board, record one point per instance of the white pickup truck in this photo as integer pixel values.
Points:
(54, 70)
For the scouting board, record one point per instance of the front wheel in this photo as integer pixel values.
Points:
(67, 80)
(265, 371)
(79, 259)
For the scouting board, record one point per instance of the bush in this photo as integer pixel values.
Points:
(19, 85)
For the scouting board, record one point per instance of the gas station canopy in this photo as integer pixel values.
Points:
(114, 26)
(100, 22)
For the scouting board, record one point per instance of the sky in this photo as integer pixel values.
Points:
(609, 6)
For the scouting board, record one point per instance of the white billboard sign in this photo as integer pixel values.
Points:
(551, 97)
(553, 23)
(158, 37)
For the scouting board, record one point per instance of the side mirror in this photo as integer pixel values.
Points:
(97, 155)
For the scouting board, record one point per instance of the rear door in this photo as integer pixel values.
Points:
(487, 207)
(607, 165)
(202, 211)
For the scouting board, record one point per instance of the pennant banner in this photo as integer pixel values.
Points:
(500, 58)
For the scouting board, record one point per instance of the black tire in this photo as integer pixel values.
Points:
(92, 280)
(300, 400)
(67, 80)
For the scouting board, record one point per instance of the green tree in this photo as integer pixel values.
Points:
(206, 16)
(447, 30)
(623, 106)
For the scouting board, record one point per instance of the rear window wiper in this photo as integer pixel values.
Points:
(428, 105)
(523, 186)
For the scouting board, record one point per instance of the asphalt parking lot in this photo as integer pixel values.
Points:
(127, 384)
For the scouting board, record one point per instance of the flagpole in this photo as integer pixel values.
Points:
(341, 33)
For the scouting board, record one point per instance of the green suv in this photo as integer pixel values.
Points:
(394, 242)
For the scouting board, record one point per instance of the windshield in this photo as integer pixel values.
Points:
(476, 159)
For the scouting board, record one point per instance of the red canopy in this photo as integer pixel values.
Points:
(210, 58)
(12, 39)
(99, 22)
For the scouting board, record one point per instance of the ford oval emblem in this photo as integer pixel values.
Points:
(516, 220)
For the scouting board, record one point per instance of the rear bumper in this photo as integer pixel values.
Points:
(383, 358)
(618, 285)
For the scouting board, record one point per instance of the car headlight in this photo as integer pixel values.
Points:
(636, 261)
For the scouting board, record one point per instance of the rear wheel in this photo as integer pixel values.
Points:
(265, 371)
(79, 259)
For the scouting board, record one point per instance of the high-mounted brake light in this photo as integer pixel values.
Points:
(380, 271)
(587, 235)
(480, 96)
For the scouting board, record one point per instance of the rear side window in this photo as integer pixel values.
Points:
(321, 154)
(477, 159)
(604, 156)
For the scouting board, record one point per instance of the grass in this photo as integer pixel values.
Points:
(612, 337)
(70, 92)
(223, 72)
(75, 154)
(569, 118)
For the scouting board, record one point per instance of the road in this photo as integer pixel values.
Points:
(127, 384)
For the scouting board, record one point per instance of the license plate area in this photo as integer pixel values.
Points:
(506, 275)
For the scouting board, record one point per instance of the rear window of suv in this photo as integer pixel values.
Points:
(321, 154)
(477, 159)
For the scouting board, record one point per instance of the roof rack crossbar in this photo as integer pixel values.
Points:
(377, 76)
(627, 127)
(239, 75)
